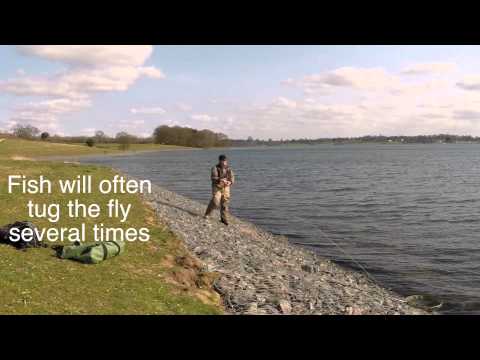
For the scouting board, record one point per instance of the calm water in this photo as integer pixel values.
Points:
(409, 213)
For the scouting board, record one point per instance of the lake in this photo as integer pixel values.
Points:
(408, 213)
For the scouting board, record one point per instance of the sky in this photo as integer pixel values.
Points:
(278, 92)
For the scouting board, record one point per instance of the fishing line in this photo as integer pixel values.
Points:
(356, 262)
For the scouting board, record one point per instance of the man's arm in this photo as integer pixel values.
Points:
(231, 177)
(215, 175)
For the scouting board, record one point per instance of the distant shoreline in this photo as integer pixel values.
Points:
(356, 143)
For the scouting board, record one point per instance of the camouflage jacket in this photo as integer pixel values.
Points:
(218, 173)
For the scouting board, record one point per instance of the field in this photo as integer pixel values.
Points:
(157, 277)
(12, 148)
(140, 147)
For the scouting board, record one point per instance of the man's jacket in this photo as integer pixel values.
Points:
(219, 173)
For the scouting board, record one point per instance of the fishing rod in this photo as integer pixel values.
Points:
(360, 266)
(355, 261)
(345, 252)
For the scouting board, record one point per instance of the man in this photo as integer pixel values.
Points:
(222, 179)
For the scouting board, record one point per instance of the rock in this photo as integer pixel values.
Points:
(307, 268)
(199, 250)
(270, 309)
(423, 301)
(252, 309)
(285, 307)
(353, 310)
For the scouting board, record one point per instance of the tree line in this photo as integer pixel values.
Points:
(176, 135)
(417, 139)
(185, 136)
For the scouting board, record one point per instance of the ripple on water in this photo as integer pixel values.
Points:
(394, 208)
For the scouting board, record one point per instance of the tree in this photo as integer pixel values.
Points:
(100, 136)
(44, 136)
(161, 134)
(184, 136)
(90, 142)
(222, 140)
(25, 131)
(124, 140)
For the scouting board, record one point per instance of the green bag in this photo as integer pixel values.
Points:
(93, 253)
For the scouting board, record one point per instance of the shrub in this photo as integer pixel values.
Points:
(90, 142)
(25, 131)
(124, 140)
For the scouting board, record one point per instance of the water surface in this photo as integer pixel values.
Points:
(409, 213)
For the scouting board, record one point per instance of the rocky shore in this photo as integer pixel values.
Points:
(260, 273)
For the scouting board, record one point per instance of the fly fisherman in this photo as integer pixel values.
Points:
(222, 179)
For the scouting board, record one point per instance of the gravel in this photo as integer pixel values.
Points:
(262, 273)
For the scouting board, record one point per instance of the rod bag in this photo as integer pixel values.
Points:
(93, 253)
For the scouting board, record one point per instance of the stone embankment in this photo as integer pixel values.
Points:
(261, 273)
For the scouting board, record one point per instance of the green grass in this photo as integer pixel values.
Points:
(137, 282)
(140, 147)
(12, 148)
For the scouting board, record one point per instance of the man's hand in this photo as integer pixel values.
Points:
(225, 182)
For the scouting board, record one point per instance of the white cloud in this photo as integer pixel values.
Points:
(77, 82)
(57, 106)
(36, 86)
(430, 68)
(425, 88)
(289, 81)
(151, 72)
(148, 111)
(347, 77)
(203, 118)
(137, 127)
(361, 100)
(43, 121)
(284, 102)
(90, 69)
(118, 78)
(183, 107)
(365, 101)
(87, 132)
(91, 55)
(45, 114)
(175, 123)
(393, 107)
(130, 124)
(467, 114)
(471, 82)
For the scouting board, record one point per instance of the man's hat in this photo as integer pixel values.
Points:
(222, 158)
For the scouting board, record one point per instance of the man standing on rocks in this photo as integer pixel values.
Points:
(222, 179)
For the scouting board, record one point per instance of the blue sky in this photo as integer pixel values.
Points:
(262, 91)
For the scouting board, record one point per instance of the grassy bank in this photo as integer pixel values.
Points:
(12, 148)
(139, 147)
(158, 277)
